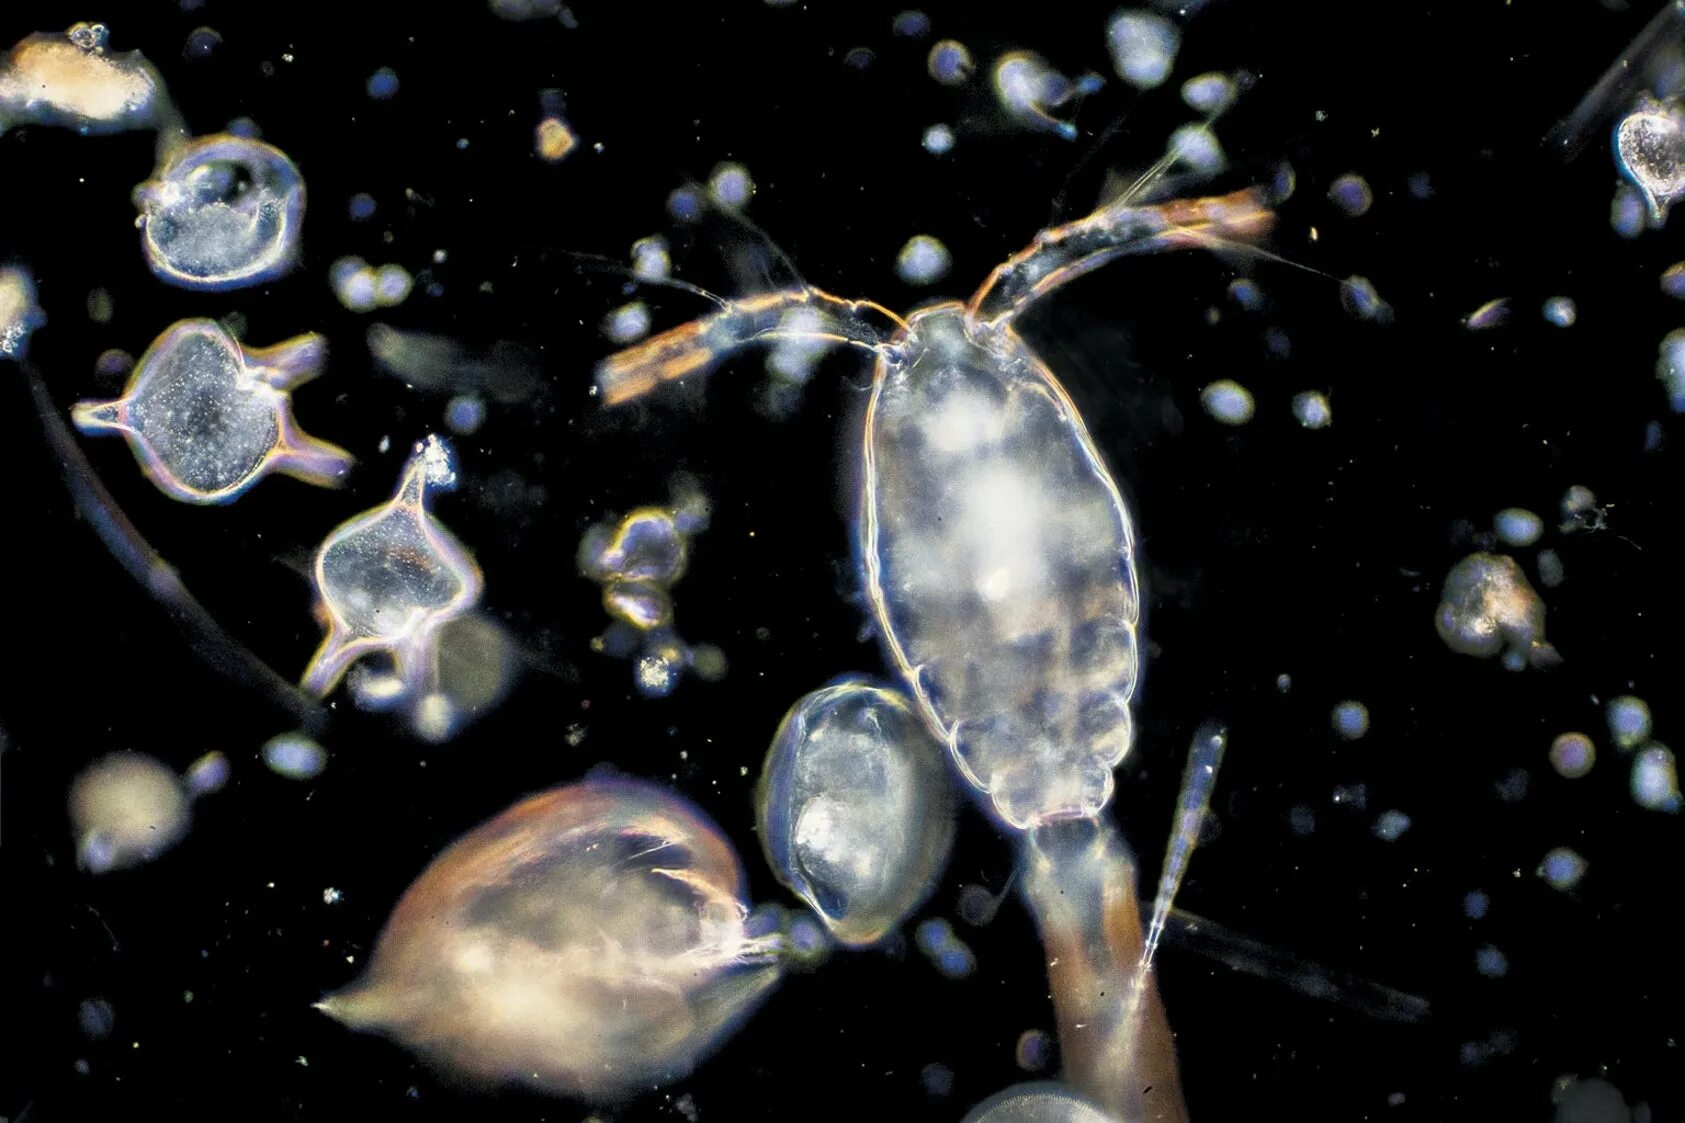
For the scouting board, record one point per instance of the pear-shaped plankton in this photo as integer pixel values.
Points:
(1040, 1102)
(591, 941)
(207, 417)
(390, 579)
(856, 808)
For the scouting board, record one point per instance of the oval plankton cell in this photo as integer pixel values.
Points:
(391, 578)
(207, 417)
(125, 809)
(590, 941)
(856, 808)
(222, 212)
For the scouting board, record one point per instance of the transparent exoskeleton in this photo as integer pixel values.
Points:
(856, 808)
(208, 417)
(221, 212)
(391, 578)
(999, 560)
(591, 940)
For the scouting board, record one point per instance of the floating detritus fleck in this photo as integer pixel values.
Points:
(1518, 527)
(1351, 720)
(947, 952)
(125, 809)
(1228, 401)
(1487, 607)
(1655, 779)
(1352, 195)
(294, 756)
(950, 63)
(924, 260)
(1360, 299)
(1312, 410)
(1572, 755)
(1629, 721)
(1143, 47)
(1561, 311)
(1562, 868)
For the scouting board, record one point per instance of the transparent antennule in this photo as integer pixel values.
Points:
(1063, 253)
(693, 347)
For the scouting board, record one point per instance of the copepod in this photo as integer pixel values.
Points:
(999, 560)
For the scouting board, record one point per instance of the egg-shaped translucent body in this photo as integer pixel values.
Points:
(590, 941)
(1000, 561)
(223, 212)
(856, 808)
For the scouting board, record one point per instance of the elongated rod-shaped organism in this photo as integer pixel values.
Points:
(999, 560)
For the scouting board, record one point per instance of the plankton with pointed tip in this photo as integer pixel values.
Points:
(208, 417)
(390, 579)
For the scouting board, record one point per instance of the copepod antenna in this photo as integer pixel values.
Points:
(209, 640)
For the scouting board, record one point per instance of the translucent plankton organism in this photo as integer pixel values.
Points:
(128, 808)
(950, 63)
(923, 260)
(1312, 410)
(591, 941)
(1655, 779)
(1489, 315)
(998, 560)
(1629, 721)
(208, 417)
(221, 212)
(856, 808)
(1039, 1102)
(391, 578)
(1572, 755)
(1143, 46)
(1030, 90)
(989, 523)
(1228, 401)
(1487, 607)
(1518, 527)
(71, 79)
(20, 315)
(1650, 151)
(637, 560)
(1670, 368)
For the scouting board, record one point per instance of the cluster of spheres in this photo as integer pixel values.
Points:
(597, 939)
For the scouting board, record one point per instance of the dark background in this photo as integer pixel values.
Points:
(1266, 550)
